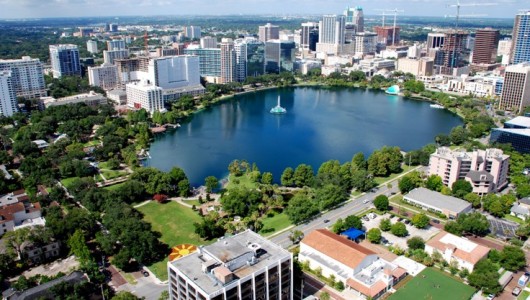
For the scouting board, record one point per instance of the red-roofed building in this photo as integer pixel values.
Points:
(17, 211)
(360, 268)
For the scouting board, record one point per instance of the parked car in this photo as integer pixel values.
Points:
(516, 291)
(435, 221)
(490, 297)
(366, 201)
(145, 273)
(366, 218)
(326, 221)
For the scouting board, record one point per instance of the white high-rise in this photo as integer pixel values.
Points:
(516, 88)
(116, 45)
(193, 32)
(171, 72)
(8, 98)
(240, 48)
(109, 56)
(208, 42)
(331, 34)
(146, 95)
(92, 46)
(26, 75)
(104, 76)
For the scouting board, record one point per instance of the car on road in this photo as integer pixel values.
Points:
(145, 273)
(366, 201)
(326, 221)
(490, 297)
(435, 221)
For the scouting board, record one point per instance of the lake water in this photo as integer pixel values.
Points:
(320, 124)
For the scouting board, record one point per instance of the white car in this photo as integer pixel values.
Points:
(366, 201)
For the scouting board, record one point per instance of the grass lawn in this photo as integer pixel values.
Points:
(524, 294)
(67, 181)
(380, 180)
(275, 224)
(92, 143)
(175, 223)
(111, 174)
(513, 219)
(114, 186)
(435, 286)
(243, 180)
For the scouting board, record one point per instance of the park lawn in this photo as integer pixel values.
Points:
(111, 174)
(92, 143)
(513, 219)
(68, 181)
(244, 181)
(524, 295)
(381, 180)
(175, 222)
(435, 286)
(274, 224)
(114, 186)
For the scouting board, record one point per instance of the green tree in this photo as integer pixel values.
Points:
(359, 161)
(381, 203)
(303, 175)
(420, 220)
(353, 221)
(399, 229)
(385, 224)
(461, 187)
(513, 258)
(330, 195)
(267, 178)
(301, 207)
(458, 135)
(211, 183)
(474, 199)
(78, 247)
(374, 235)
(296, 236)
(434, 183)
(485, 277)
(453, 227)
(362, 180)
(164, 295)
(287, 177)
(409, 182)
(124, 295)
(416, 242)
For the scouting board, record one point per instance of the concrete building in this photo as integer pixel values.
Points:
(228, 61)
(91, 99)
(240, 66)
(520, 51)
(437, 202)
(454, 248)
(355, 16)
(360, 269)
(117, 96)
(166, 51)
(485, 49)
(521, 208)
(109, 56)
(417, 67)
(435, 40)
(65, 60)
(504, 47)
(208, 42)
(16, 211)
(515, 132)
(146, 95)
(451, 51)
(8, 98)
(331, 34)
(92, 46)
(365, 43)
(516, 89)
(209, 62)
(486, 170)
(116, 45)
(129, 68)
(27, 76)
(104, 76)
(255, 57)
(268, 32)
(309, 36)
(193, 32)
(388, 35)
(174, 71)
(44, 291)
(279, 56)
(242, 266)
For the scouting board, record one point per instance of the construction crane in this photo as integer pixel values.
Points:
(458, 5)
(390, 12)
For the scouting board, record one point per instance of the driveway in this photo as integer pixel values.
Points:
(145, 287)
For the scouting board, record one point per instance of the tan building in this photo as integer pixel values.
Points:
(516, 89)
(486, 170)
(417, 67)
(228, 61)
(268, 32)
(453, 248)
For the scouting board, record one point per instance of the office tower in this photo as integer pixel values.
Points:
(279, 56)
(255, 57)
(110, 55)
(113, 27)
(521, 38)
(104, 76)
(92, 46)
(146, 95)
(26, 76)
(504, 47)
(107, 27)
(309, 36)
(355, 16)
(166, 51)
(173, 72)
(242, 266)
(268, 32)
(85, 31)
(365, 43)
(485, 49)
(414, 51)
(387, 35)
(208, 42)
(331, 34)
(209, 62)
(193, 32)
(435, 40)
(451, 51)
(516, 89)
(228, 60)
(240, 49)
(8, 98)
(115, 45)
(65, 60)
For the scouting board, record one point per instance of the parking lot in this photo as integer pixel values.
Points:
(502, 228)
(425, 234)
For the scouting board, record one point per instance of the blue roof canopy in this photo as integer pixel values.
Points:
(353, 233)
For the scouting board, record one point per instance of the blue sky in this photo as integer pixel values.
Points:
(76, 8)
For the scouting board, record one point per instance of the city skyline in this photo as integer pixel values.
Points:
(93, 8)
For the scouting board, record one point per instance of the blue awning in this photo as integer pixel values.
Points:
(353, 233)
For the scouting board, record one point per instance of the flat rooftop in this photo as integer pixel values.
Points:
(520, 121)
(438, 200)
(517, 131)
(226, 252)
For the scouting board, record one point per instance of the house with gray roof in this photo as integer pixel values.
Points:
(437, 202)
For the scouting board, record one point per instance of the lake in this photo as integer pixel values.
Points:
(320, 124)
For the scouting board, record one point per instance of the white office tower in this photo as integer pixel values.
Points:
(104, 76)
(228, 61)
(26, 76)
(193, 32)
(172, 72)
(240, 48)
(146, 95)
(516, 88)
(331, 34)
(116, 45)
(8, 98)
(92, 46)
(65, 60)
(208, 42)
(109, 56)
(414, 51)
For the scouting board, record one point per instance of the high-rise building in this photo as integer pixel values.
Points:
(146, 95)
(279, 56)
(309, 36)
(268, 32)
(255, 57)
(504, 47)
(8, 98)
(240, 50)
(451, 50)
(85, 31)
(129, 68)
(365, 43)
(486, 170)
(104, 76)
(209, 62)
(26, 76)
(109, 56)
(387, 35)
(516, 89)
(174, 71)
(331, 37)
(113, 27)
(485, 49)
(65, 60)
(193, 32)
(416, 66)
(115, 45)
(242, 266)
(435, 40)
(521, 38)
(208, 42)
(92, 46)
(355, 16)
(166, 51)
(228, 61)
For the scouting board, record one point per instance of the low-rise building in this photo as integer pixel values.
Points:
(417, 67)
(363, 271)
(91, 99)
(437, 202)
(44, 291)
(16, 211)
(117, 96)
(521, 208)
(515, 132)
(453, 248)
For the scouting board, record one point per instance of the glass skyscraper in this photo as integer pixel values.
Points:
(521, 38)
